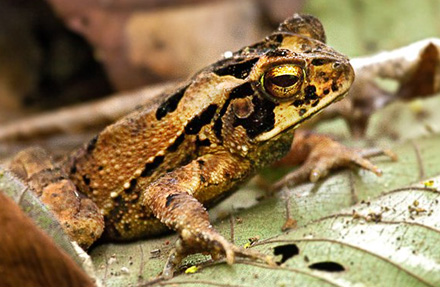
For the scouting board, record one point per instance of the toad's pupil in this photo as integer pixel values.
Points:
(284, 80)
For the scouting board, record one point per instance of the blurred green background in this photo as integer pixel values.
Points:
(362, 27)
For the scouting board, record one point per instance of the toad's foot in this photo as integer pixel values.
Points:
(320, 154)
(215, 245)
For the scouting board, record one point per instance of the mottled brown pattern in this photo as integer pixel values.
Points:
(163, 163)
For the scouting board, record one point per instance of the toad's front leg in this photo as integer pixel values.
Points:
(176, 197)
(317, 154)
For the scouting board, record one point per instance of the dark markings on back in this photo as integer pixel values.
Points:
(92, 144)
(205, 142)
(133, 183)
(194, 126)
(170, 104)
(334, 87)
(176, 143)
(150, 167)
(135, 199)
(261, 120)
(278, 53)
(239, 70)
(86, 180)
(119, 209)
(270, 43)
(275, 39)
(241, 91)
(319, 62)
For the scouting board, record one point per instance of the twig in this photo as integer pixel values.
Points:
(78, 118)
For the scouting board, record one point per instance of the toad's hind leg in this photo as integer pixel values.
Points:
(77, 214)
(172, 198)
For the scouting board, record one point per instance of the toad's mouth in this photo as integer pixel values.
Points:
(292, 117)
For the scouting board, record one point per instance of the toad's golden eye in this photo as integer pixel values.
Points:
(283, 82)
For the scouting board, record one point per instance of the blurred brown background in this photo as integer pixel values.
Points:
(60, 52)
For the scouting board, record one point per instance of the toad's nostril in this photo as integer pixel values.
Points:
(336, 65)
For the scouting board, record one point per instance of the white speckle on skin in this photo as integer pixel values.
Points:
(227, 54)
(138, 172)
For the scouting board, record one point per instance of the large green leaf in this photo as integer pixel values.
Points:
(380, 241)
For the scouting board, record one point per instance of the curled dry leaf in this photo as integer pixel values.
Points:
(139, 43)
(80, 117)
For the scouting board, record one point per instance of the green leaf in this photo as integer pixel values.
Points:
(380, 241)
